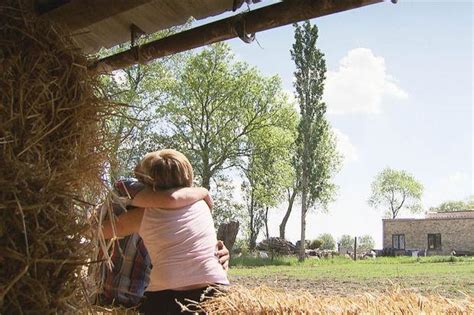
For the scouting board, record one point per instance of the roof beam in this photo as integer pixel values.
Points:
(79, 14)
(265, 18)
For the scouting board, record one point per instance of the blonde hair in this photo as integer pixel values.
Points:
(165, 169)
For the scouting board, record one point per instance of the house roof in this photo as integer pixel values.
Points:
(451, 214)
(448, 215)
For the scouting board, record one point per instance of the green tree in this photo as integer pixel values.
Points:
(315, 244)
(327, 241)
(268, 169)
(395, 190)
(316, 157)
(365, 243)
(227, 208)
(346, 241)
(136, 91)
(212, 108)
(455, 205)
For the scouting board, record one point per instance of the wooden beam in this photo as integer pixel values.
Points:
(265, 18)
(79, 14)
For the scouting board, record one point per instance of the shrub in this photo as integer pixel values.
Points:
(315, 244)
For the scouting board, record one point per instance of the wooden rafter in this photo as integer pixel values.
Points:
(265, 18)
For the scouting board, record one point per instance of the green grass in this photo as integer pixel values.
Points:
(248, 261)
(447, 273)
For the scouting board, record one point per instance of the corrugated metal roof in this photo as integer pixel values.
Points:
(150, 17)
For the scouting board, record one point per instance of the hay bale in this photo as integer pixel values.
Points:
(51, 155)
(264, 300)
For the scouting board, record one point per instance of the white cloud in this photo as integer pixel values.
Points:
(360, 84)
(345, 146)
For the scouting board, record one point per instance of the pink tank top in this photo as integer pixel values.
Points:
(181, 244)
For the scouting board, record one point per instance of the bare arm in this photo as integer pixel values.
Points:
(210, 202)
(169, 199)
(125, 224)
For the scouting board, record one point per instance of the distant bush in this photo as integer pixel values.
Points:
(328, 241)
(315, 244)
(241, 247)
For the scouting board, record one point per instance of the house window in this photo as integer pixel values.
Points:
(398, 241)
(434, 241)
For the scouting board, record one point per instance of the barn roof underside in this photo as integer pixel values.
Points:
(94, 24)
(97, 24)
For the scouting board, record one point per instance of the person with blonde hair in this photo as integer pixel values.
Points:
(181, 242)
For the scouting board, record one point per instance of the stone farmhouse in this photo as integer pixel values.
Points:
(441, 233)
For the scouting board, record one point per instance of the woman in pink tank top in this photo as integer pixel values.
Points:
(181, 242)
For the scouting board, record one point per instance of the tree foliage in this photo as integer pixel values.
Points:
(227, 208)
(214, 105)
(395, 190)
(455, 205)
(315, 244)
(268, 169)
(316, 157)
(365, 243)
(327, 241)
(346, 241)
(137, 92)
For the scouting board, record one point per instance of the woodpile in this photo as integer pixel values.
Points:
(277, 245)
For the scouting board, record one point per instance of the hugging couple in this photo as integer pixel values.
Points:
(169, 226)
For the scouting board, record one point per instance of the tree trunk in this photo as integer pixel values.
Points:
(227, 233)
(267, 235)
(287, 214)
(304, 209)
(253, 231)
(206, 171)
(304, 204)
(206, 179)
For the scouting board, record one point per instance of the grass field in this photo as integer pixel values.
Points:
(449, 276)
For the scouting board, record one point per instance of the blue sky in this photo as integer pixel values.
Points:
(399, 93)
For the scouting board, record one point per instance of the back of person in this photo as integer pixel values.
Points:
(181, 244)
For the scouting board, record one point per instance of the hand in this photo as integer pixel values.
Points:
(222, 253)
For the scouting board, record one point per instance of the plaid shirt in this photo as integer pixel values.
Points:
(125, 284)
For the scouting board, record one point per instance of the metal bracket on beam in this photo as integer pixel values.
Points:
(135, 34)
(241, 31)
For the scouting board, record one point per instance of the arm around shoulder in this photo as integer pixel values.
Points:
(169, 199)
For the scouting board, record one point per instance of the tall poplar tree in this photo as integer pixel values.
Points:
(316, 157)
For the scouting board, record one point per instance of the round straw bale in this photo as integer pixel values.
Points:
(51, 158)
(264, 300)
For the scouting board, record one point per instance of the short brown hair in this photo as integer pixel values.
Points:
(165, 169)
